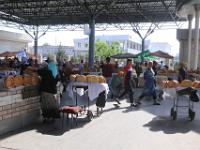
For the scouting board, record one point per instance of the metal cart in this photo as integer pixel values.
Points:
(86, 108)
(189, 92)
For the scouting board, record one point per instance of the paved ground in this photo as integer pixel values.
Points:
(145, 128)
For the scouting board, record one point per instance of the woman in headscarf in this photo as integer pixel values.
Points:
(52, 65)
(149, 84)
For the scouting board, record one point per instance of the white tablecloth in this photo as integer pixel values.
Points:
(169, 93)
(94, 89)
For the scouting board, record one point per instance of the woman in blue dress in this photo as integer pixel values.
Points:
(149, 84)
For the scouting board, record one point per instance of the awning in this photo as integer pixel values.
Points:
(123, 56)
(161, 54)
(8, 54)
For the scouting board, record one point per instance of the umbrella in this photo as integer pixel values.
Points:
(161, 54)
(144, 54)
(123, 56)
(8, 54)
(149, 58)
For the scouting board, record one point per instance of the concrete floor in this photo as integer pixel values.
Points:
(145, 128)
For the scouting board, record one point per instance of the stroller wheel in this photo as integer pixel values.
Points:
(89, 115)
(173, 114)
(191, 114)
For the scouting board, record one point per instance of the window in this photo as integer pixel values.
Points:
(79, 45)
(86, 45)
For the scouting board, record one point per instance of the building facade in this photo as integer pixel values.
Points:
(46, 50)
(127, 44)
(10, 41)
(156, 46)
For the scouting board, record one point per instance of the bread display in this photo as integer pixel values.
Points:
(72, 77)
(88, 78)
(196, 84)
(81, 78)
(27, 79)
(186, 83)
(165, 84)
(170, 84)
(102, 79)
(9, 82)
(92, 78)
(18, 80)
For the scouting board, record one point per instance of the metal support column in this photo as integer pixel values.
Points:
(36, 42)
(190, 17)
(91, 43)
(196, 37)
(143, 46)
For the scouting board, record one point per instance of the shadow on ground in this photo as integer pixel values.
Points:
(168, 126)
(51, 128)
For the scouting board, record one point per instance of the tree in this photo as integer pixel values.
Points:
(103, 49)
(60, 55)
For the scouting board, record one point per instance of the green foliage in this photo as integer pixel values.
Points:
(104, 50)
(60, 55)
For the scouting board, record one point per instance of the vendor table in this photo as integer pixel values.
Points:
(94, 89)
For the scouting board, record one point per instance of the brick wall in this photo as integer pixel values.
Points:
(18, 102)
(19, 108)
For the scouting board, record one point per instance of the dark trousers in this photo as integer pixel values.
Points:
(153, 95)
(128, 89)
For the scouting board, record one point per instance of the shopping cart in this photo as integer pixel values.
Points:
(192, 97)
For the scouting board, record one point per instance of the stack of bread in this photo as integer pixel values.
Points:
(72, 77)
(81, 78)
(9, 82)
(170, 84)
(88, 78)
(186, 83)
(18, 80)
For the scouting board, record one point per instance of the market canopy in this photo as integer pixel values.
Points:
(161, 54)
(143, 54)
(16, 53)
(55, 12)
(8, 54)
(123, 56)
